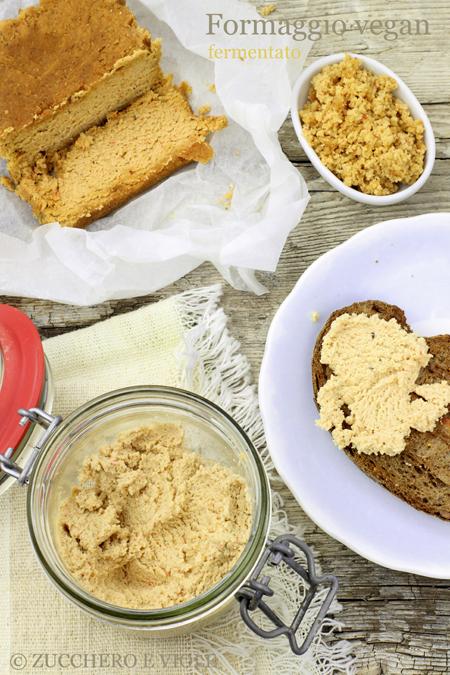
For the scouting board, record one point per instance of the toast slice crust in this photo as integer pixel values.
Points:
(420, 475)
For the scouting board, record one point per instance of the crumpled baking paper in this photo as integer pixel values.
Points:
(189, 218)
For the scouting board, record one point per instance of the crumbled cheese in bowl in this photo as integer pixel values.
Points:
(361, 131)
(372, 401)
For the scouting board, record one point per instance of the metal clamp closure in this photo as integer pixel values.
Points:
(251, 595)
(49, 424)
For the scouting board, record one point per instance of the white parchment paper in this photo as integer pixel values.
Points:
(165, 233)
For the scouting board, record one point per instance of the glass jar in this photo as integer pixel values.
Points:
(208, 431)
(52, 467)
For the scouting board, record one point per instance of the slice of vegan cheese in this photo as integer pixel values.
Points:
(107, 165)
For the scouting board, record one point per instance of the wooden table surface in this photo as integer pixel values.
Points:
(397, 623)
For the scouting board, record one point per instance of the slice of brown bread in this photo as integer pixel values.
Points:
(421, 473)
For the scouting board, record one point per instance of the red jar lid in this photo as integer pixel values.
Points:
(23, 377)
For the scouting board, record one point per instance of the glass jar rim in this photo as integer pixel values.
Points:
(211, 598)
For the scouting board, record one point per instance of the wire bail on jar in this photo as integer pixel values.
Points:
(251, 595)
(49, 424)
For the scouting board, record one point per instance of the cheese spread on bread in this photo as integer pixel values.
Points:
(372, 401)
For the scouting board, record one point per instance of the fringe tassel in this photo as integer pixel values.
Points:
(212, 365)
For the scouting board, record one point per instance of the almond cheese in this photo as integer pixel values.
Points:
(371, 402)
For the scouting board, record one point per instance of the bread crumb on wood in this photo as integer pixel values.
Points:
(267, 10)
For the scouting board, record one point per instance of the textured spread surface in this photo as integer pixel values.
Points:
(107, 165)
(153, 525)
(375, 365)
(421, 473)
(58, 48)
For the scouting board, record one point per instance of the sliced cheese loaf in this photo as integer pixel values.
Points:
(64, 65)
(108, 164)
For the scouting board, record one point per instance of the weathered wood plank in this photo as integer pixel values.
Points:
(420, 59)
(438, 182)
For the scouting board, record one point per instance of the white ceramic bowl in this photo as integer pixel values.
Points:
(403, 92)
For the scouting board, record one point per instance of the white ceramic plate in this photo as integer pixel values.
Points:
(404, 93)
(403, 262)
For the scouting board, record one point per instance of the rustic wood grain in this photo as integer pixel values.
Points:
(397, 623)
